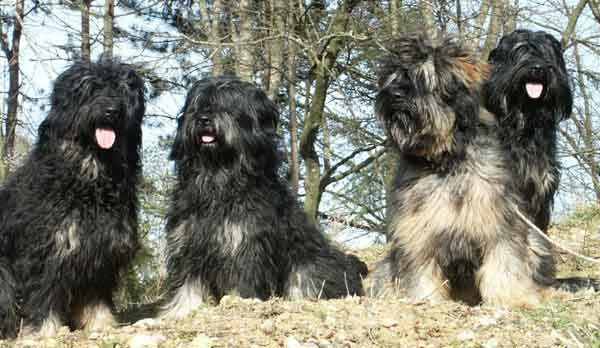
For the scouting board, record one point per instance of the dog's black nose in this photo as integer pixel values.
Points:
(112, 112)
(205, 121)
(537, 71)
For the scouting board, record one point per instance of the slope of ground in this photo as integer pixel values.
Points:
(565, 320)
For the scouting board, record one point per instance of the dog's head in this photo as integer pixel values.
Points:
(227, 122)
(428, 100)
(99, 107)
(529, 74)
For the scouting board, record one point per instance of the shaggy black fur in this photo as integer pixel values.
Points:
(233, 226)
(453, 225)
(68, 215)
(528, 124)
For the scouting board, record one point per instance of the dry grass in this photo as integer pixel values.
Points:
(564, 320)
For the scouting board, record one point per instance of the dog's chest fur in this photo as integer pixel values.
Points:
(223, 222)
(533, 159)
(463, 207)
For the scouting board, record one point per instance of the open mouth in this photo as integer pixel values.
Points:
(105, 137)
(534, 89)
(207, 137)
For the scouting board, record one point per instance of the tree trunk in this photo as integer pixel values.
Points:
(246, 57)
(214, 34)
(276, 48)
(85, 30)
(479, 22)
(426, 7)
(12, 55)
(109, 15)
(511, 12)
(294, 161)
(494, 28)
(307, 144)
(459, 22)
(586, 129)
(312, 121)
(395, 16)
(572, 23)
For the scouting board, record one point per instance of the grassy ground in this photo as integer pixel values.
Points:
(565, 320)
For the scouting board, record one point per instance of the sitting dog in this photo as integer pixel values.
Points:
(453, 222)
(529, 93)
(68, 216)
(233, 226)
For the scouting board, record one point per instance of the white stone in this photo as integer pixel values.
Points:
(466, 335)
(291, 342)
(202, 341)
(146, 341)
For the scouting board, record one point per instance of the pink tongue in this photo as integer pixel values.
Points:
(534, 90)
(105, 137)
(208, 138)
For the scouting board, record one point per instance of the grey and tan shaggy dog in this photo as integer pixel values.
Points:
(233, 225)
(68, 215)
(453, 225)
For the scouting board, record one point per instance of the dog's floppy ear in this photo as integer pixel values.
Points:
(567, 107)
(493, 56)
(178, 147)
(270, 115)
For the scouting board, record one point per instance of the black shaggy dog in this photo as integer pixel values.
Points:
(529, 93)
(68, 216)
(453, 222)
(233, 225)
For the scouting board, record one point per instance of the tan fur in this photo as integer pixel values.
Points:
(95, 316)
(67, 239)
(478, 215)
(473, 72)
(301, 288)
(505, 279)
(191, 296)
(49, 327)
(429, 284)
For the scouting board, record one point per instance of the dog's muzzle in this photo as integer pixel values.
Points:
(535, 82)
(207, 133)
(105, 133)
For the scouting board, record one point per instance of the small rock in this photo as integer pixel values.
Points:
(324, 344)
(330, 321)
(146, 323)
(202, 341)
(94, 336)
(388, 323)
(268, 326)
(145, 341)
(466, 335)
(487, 321)
(491, 343)
(250, 300)
(228, 300)
(310, 345)
(500, 313)
(63, 331)
(291, 342)
(49, 343)
(29, 343)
